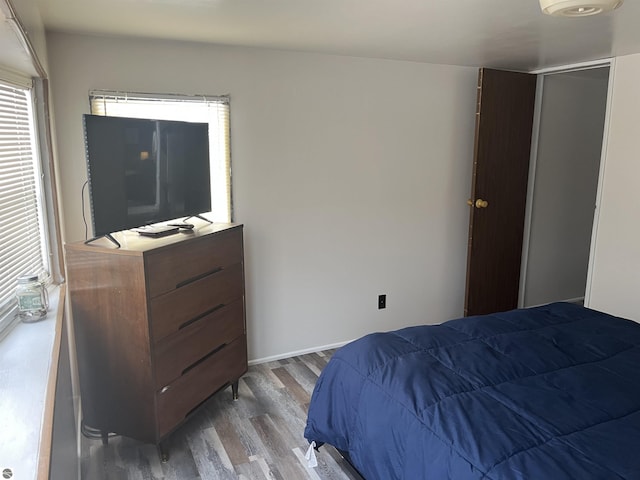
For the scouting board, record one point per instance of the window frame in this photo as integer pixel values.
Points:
(42, 194)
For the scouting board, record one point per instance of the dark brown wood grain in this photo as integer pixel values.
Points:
(500, 172)
(123, 362)
(175, 353)
(109, 309)
(199, 383)
(168, 268)
(173, 309)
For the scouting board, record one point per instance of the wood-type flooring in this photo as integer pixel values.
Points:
(257, 437)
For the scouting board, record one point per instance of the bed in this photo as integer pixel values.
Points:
(551, 392)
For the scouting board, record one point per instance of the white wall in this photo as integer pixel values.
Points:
(350, 176)
(566, 179)
(615, 269)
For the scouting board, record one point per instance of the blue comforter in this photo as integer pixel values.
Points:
(544, 393)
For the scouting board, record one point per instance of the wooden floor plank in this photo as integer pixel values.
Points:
(294, 388)
(315, 362)
(276, 449)
(258, 437)
(253, 471)
(304, 375)
(210, 456)
(232, 444)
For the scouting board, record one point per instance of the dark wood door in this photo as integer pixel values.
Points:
(504, 120)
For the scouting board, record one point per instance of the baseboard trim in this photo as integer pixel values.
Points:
(274, 358)
(578, 300)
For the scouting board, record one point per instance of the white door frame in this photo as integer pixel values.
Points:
(535, 134)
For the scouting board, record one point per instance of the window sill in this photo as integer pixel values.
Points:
(28, 370)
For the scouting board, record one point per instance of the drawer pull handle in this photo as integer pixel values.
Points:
(198, 277)
(164, 389)
(211, 353)
(202, 315)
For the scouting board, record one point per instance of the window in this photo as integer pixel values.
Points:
(211, 110)
(23, 245)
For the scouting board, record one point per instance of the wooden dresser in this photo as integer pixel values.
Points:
(159, 326)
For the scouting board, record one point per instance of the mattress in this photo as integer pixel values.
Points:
(551, 392)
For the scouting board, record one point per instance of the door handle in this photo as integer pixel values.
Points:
(479, 203)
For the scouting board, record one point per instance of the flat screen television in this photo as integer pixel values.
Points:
(144, 171)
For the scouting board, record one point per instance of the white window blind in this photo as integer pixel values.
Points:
(22, 241)
(205, 109)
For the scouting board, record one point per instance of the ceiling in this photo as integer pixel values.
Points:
(13, 54)
(510, 34)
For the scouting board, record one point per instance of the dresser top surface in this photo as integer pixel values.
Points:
(133, 243)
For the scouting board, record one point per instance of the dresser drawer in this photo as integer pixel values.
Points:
(178, 352)
(169, 268)
(178, 308)
(195, 386)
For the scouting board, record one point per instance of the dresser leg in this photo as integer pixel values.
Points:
(234, 390)
(105, 437)
(162, 453)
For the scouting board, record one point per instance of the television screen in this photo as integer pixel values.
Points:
(143, 171)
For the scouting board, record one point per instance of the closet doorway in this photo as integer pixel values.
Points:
(563, 183)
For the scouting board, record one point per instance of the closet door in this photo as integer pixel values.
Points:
(504, 120)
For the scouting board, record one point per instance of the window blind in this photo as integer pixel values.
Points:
(22, 246)
(213, 110)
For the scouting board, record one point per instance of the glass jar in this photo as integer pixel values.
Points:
(32, 297)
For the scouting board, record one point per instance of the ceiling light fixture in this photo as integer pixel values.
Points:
(578, 8)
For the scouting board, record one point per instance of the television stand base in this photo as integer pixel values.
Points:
(108, 236)
(198, 216)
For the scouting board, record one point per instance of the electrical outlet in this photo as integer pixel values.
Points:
(382, 301)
